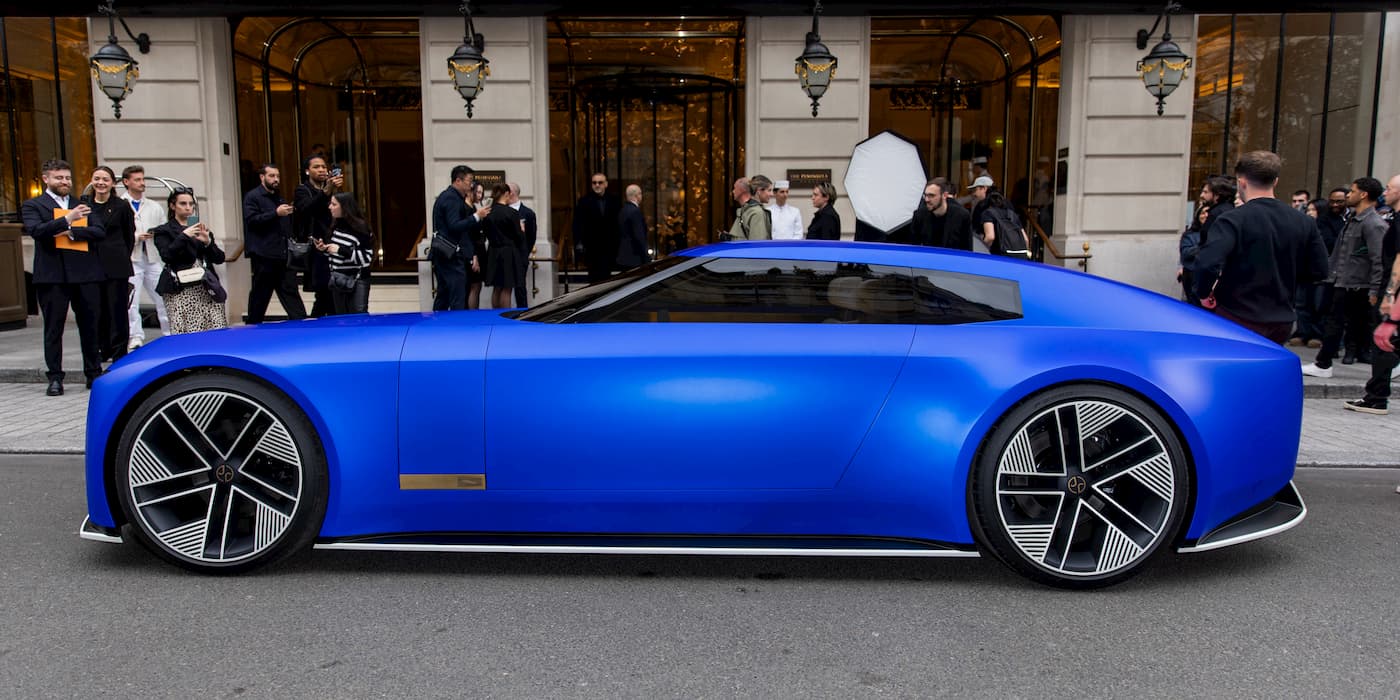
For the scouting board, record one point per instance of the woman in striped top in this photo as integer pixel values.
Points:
(350, 251)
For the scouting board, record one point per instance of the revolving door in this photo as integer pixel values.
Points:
(674, 135)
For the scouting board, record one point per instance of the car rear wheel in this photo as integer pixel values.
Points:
(221, 474)
(1080, 487)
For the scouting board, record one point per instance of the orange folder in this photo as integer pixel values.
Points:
(62, 241)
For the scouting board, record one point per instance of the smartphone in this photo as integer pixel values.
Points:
(194, 219)
(335, 172)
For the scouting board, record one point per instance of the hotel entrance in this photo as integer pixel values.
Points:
(351, 90)
(656, 103)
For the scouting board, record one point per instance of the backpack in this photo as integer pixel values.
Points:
(1009, 241)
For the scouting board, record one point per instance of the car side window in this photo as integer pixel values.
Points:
(943, 298)
(734, 290)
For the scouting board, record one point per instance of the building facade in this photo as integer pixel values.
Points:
(683, 105)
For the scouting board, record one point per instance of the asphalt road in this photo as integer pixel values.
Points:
(1314, 612)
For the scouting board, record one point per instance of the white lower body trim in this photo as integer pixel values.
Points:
(1257, 535)
(598, 549)
(90, 533)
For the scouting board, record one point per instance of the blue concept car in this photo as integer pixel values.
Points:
(781, 398)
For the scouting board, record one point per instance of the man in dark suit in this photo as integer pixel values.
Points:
(532, 230)
(632, 225)
(595, 228)
(266, 228)
(64, 276)
(453, 221)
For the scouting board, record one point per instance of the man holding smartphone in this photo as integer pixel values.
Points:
(266, 228)
(312, 219)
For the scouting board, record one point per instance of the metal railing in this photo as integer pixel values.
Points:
(1032, 219)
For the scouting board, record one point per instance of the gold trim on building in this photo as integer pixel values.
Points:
(441, 482)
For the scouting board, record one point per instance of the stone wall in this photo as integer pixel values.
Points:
(510, 127)
(1127, 189)
(780, 131)
(179, 122)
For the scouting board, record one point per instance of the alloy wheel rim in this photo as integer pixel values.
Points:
(215, 477)
(1085, 488)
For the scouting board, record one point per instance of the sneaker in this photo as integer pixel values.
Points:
(1377, 407)
(1314, 343)
(1295, 341)
(1312, 370)
(1397, 489)
(135, 343)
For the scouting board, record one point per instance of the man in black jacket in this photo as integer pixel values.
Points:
(938, 224)
(454, 222)
(312, 219)
(1257, 253)
(632, 226)
(532, 232)
(1218, 194)
(266, 227)
(66, 269)
(595, 228)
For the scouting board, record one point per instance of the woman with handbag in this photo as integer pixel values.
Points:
(194, 297)
(350, 251)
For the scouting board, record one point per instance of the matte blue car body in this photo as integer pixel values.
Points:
(764, 429)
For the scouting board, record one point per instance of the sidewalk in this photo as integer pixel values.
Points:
(31, 422)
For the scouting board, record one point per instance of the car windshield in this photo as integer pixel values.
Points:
(561, 309)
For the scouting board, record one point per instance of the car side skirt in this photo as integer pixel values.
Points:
(1281, 512)
(652, 544)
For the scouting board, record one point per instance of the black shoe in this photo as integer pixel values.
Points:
(1378, 407)
(93, 378)
(55, 388)
(1349, 359)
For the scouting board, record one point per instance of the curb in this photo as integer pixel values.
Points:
(25, 376)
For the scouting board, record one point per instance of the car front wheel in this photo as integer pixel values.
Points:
(1080, 487)
(221, 474)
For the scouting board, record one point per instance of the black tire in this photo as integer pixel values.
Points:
(1084, 518)
(220, 474)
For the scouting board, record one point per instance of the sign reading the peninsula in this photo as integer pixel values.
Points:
(807, 178)
(490, 178)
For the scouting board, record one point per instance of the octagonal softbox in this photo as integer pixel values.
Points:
(885, 180)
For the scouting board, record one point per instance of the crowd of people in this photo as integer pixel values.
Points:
(610, 234)
(480, 241)
(1320, 273)
(99, 254)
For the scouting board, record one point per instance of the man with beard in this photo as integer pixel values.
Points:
(67, 270)
(266, 228)
(1218, 194)
(1331, 221)
(595, 228)
(939, 224)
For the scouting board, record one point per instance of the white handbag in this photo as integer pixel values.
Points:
(190, 276)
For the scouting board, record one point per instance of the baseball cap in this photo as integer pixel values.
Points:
(983, 181)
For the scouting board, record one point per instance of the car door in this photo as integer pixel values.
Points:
(730, 374)
(440, 419)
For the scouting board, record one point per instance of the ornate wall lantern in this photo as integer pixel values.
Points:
(1163, 68)
(467, 65)
(113, 68)
(816, 67)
